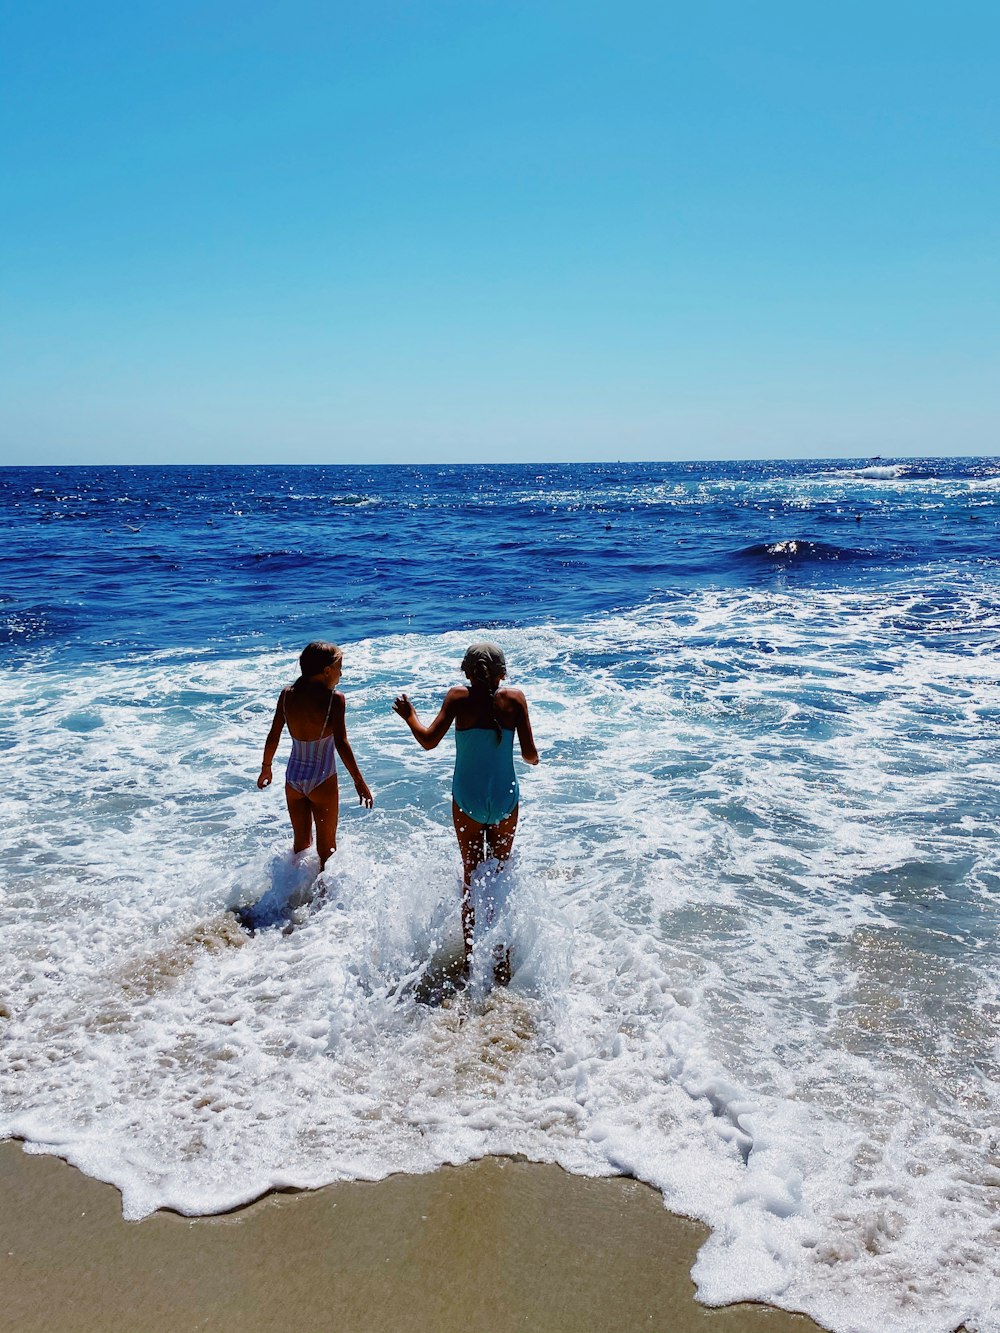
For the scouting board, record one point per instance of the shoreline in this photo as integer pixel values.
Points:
(494, 1245)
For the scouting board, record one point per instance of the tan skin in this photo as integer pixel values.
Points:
(468, 706)
(305, 712)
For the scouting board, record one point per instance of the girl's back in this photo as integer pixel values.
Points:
(476, 708)
(307, 710)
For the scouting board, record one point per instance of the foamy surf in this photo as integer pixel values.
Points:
(752, 919)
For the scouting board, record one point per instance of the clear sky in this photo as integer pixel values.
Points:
(477, 230)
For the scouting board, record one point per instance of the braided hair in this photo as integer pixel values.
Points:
(485, 665)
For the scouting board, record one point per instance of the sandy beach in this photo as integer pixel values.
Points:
(496, 1245)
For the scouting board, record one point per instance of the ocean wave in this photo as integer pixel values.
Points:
(280, 558)
(798, 551)
(917, 472)
(349, 500)
(880, 471)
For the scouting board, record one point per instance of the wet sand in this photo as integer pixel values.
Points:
(493, 1246)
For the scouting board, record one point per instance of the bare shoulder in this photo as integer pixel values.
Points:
(456, 695)
(338, 703)
(513, 699)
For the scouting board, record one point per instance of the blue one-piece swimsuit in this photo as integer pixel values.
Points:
(485, 784)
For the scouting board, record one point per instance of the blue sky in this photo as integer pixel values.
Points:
(471, 231)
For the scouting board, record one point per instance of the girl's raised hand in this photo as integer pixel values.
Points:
(403, 707)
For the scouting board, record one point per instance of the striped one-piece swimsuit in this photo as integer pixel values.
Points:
(311, 762)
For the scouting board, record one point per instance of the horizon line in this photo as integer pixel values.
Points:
(551, 462)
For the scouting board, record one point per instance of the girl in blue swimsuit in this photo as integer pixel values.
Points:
(315, 715)
(484, 789)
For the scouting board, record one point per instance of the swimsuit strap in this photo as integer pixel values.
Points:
(326, 720)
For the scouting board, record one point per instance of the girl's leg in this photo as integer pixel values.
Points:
(500, 837)
(300, 813)
(325, 803)
(500, 843)
(472, 845)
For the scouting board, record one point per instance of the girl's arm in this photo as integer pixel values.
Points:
(338, 716)
(432, 736)
(271, 744)
(525, 739)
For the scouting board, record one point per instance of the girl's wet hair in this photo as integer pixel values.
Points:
(485, 664)
(317, 656)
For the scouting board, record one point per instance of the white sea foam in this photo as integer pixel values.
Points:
(752, 919)
(880, 471)
(905, 480)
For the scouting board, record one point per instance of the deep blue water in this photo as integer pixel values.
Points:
(105, 562)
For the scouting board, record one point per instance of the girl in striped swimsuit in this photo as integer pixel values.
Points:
(315, 714)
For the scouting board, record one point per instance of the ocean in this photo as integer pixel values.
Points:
(754, 902)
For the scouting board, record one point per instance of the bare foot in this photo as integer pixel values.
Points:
(501, 966)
